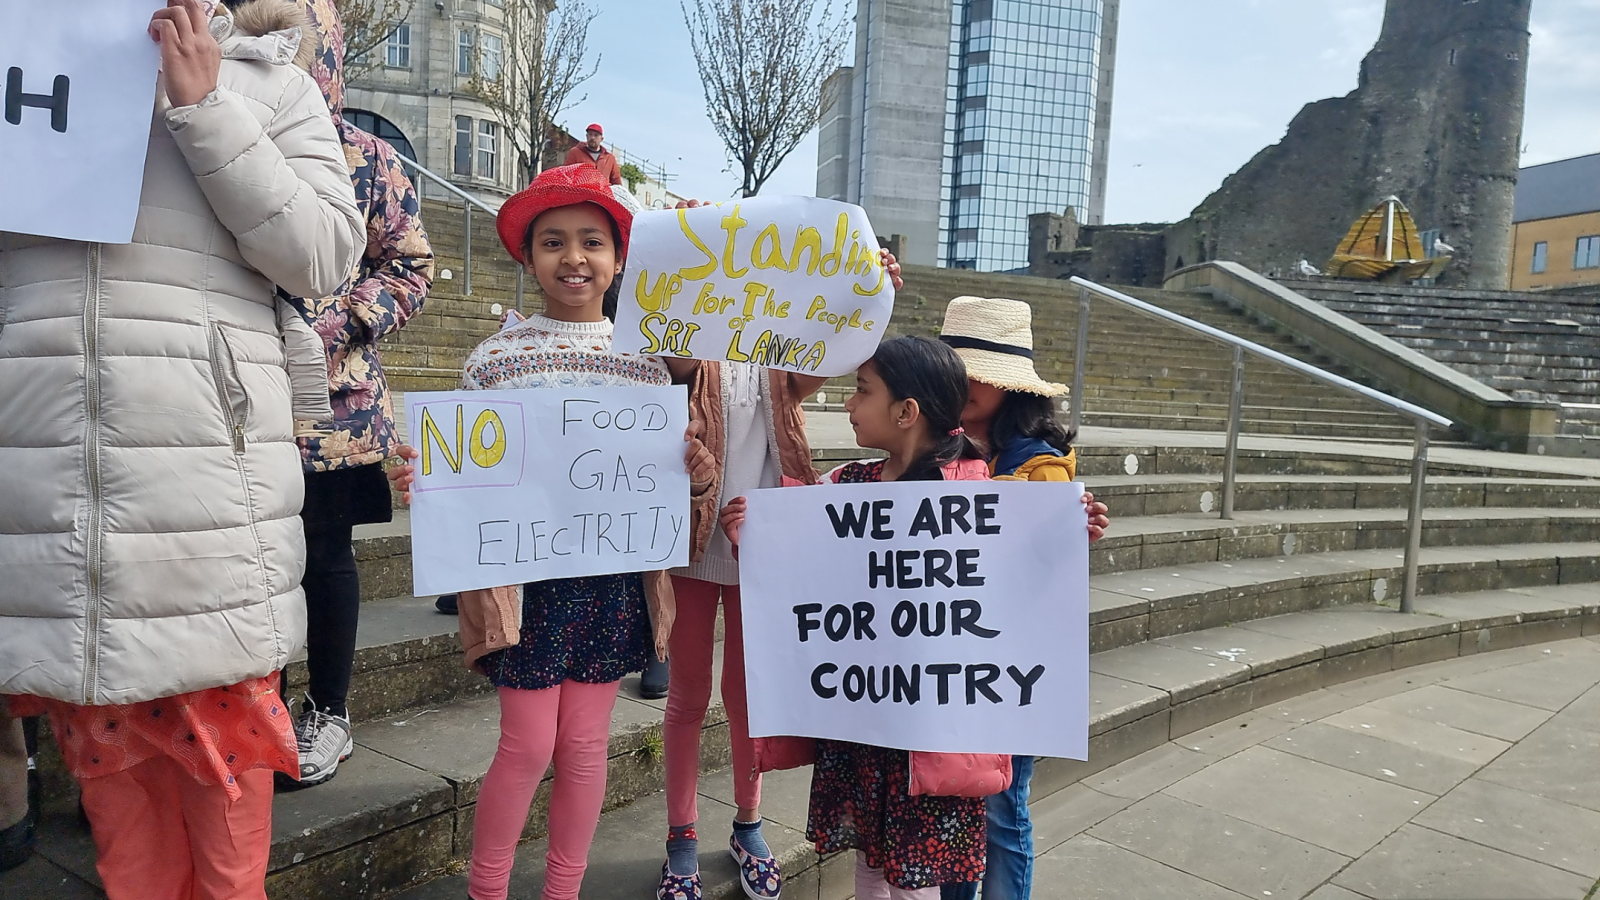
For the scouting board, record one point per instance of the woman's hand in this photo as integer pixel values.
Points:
(732, 519)
(510, 314)
(401, 476)
(1099, 521)
(697, 460)
(191, 61)
(892, 266)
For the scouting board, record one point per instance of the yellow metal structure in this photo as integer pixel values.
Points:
(1384, 245)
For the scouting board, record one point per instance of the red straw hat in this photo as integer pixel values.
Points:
(555, 188)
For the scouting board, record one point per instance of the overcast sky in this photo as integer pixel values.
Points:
(1201, 86)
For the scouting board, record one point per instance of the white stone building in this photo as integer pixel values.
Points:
(418, 94)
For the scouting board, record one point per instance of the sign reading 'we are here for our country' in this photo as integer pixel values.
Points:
(79, 83)
(792, 283)
(529, 485)
(941, 616)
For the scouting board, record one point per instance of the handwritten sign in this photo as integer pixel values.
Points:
(80, 83)
(520, 486)
(942, 616)
(791, 283)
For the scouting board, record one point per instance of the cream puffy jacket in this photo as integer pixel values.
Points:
(150, 542)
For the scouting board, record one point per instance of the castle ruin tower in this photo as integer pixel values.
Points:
(1436, 120)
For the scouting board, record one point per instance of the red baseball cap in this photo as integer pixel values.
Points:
(553, 189)
(595, 126)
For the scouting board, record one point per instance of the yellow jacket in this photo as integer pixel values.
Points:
(1044, 468)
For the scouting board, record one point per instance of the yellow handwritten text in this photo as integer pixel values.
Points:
(674, 338)
(485, 453)
(840, 321)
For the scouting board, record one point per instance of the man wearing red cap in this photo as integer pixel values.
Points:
(594, 153)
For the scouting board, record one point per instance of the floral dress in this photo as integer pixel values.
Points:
(861, 800)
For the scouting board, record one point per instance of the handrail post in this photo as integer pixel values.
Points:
(1230, 463)
(520, 273)
(1419, 480)
(1078, 359)
(466, 264)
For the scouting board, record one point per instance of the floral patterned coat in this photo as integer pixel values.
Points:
(387, 290)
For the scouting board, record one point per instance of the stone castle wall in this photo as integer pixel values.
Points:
(1436, 120)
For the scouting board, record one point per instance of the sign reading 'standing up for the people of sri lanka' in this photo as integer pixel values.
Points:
(793, 283)
(77, 89)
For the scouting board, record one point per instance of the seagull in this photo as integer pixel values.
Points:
(1306, 268)
(1442, 249)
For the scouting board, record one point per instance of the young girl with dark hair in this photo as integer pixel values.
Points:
(1011, 412)
(558, 654)
(908, 402)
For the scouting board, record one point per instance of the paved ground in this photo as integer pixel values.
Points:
(1471, 779)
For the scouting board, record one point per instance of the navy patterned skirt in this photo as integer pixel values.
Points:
(590, 630)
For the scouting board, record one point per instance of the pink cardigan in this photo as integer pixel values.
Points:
(935, 774)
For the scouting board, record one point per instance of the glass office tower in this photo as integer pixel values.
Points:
(1025, 126)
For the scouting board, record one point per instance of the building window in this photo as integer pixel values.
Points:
(1541, 252)
(488, 143)
(397, 51)
(493, 52)
(464, 52)
(378, 126)
(1587, 255)
(463, 160)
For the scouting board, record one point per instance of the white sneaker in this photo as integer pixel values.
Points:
(325, 741)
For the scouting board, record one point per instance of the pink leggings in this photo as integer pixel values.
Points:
(571, 724)
(872, 885)
(689, 694)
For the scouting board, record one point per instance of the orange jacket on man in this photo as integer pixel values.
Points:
(607, 163)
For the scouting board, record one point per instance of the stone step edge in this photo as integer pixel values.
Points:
(403, 641)
(1133, 711)
(1182, 538)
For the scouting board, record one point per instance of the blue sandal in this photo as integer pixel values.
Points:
(759, 877)
(678, 887)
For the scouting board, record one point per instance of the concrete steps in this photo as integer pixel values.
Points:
(1141, 697)
(1193, 620)
(1171, 654)
(1543, 343)
(1330, 512)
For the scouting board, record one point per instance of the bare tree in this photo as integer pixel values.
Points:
(367, 25)
(544, 62)
(765, 66)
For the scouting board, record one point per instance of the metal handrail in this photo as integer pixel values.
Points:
(1423, 418)
(468, 202)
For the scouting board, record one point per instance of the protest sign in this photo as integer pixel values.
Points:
(941, 616)
(529, 485)
(792, 283)
(80, 84)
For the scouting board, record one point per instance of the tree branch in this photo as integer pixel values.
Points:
(764, 66)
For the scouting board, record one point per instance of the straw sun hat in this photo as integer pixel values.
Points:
(995, 339)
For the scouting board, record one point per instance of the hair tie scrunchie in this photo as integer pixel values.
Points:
(957, 431)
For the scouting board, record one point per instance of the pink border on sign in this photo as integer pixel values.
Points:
(522, 463)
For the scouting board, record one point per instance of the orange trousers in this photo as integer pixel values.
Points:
(162, 835)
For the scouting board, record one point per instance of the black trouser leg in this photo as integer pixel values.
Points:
(333, 608)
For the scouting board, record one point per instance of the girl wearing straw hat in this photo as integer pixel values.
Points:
(1011, 414)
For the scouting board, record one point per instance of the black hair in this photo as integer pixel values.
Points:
(1022, 416)
(608, 306)
(929, 372)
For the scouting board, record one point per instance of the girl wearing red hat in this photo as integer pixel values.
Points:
(558, 670)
